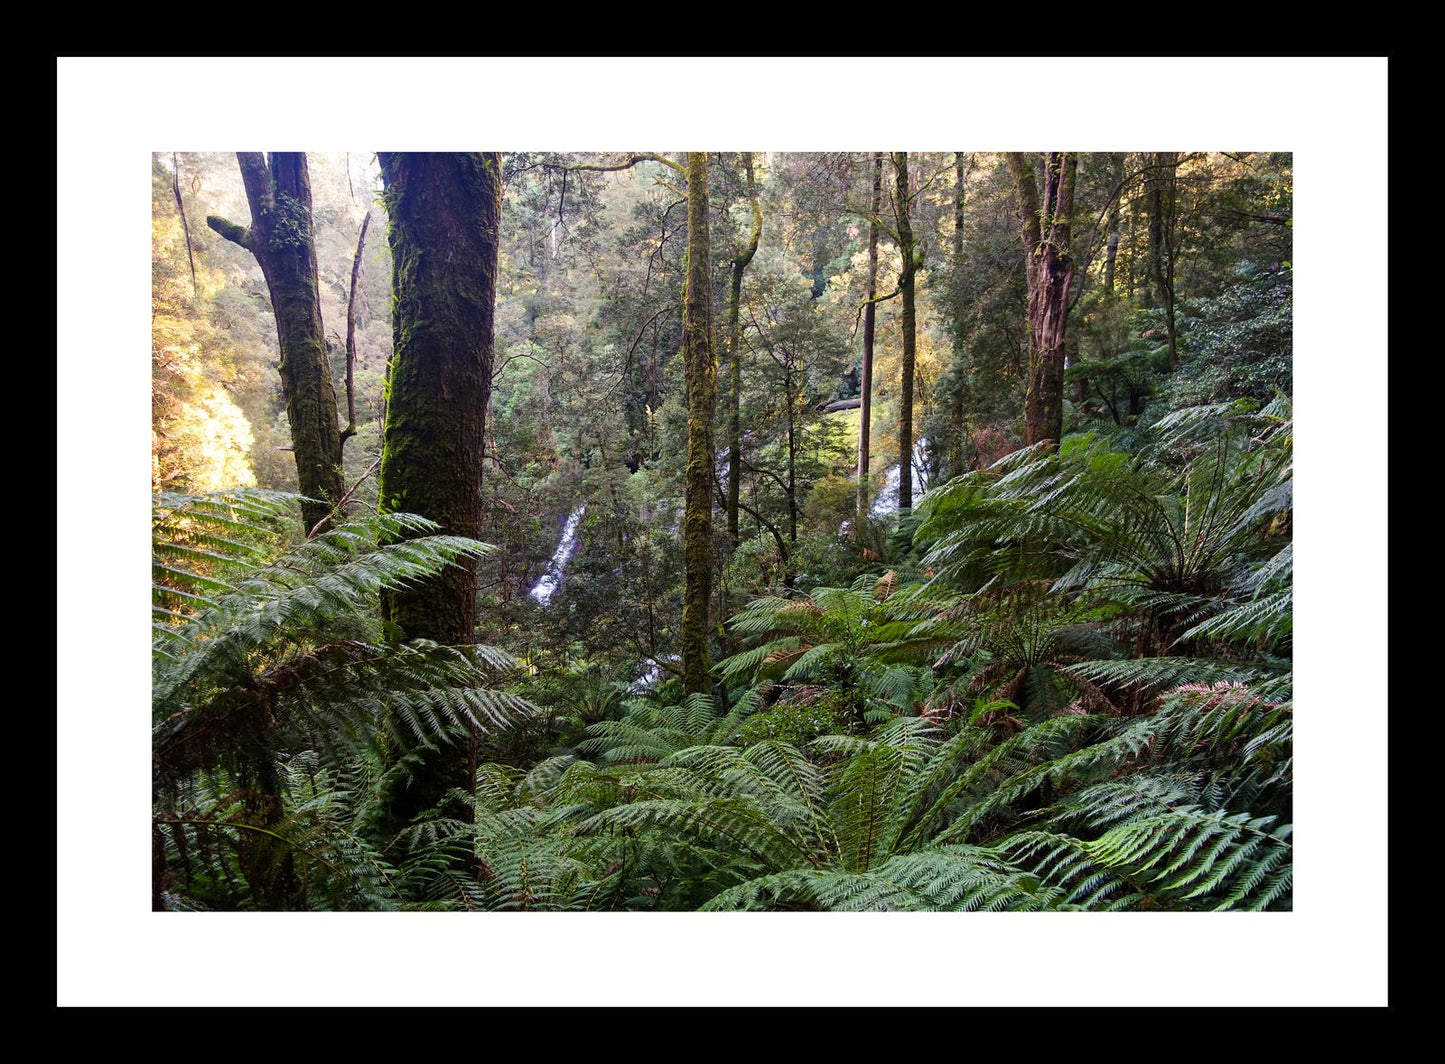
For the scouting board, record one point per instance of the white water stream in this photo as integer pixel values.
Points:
(552, 578)
(886, 501)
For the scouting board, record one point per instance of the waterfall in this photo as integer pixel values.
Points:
(552, 578)
(886, 502)
(651, 675)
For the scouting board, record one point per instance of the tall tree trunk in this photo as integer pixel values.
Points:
(1111, 246)
(1131, 244)
(282, 239)
(960, 382)
(870, 316)
(789, 390)
(185, 226)
(700, 368)
(912, 259)
(1049, 264)
(445, 210)
(1162, 189)
(350, 429)
(735, 361)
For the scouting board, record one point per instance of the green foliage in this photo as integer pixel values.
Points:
(1186, 808)
(1240, 342)
(1061, 683)
(799, 722)
(273, 696)
(1183, 548)
(858, 647)
(651, 730)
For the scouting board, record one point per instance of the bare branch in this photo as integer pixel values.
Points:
(345, 498)
(777, 477)
(877, 299)
(350, 429)
(512, 358)
(185, 227)
(760, 519)
(631, 350)
(872, 217)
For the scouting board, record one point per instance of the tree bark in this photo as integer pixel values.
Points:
(445, 211)
(1162, 190)
(735, 364)
(185, 226)
(1049, 263)
(1111, 247)
(350, 429)
(790, 393)
(958, 412)
(700, 368)
(912, 255)
(282, 239)
(870, 315)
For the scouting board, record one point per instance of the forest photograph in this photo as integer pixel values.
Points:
(592, 525)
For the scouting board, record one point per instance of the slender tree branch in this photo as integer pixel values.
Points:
(520, 354)
(185, 227)
(651, 655)
(643, 330)
(777, 477)
(877, 299)
(874, 217)
(929, 183)
(1268, 219)
(345, 498)
(561, 201)
(777, 536)
(350, 429)
(661, 243)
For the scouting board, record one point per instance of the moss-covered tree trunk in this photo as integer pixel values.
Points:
(870, 317)
(1049, 263)
(735, 362)
(282, 239)
(700, 369)
(957, 409)
(912, 256)
(445, 209)
(1161, 201)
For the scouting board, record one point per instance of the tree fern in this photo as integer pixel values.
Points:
(268, 659)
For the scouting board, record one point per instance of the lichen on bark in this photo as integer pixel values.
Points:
(445, 210)
(1045, 231)
(700, 368)
(912, 255)
(735, 363)
(280, 237)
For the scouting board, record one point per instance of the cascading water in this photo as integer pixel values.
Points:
(886, 501)
(650, 676)
(552, 578)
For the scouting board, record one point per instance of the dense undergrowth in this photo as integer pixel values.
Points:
(1068, 688)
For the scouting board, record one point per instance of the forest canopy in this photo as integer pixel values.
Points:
(657, 530)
